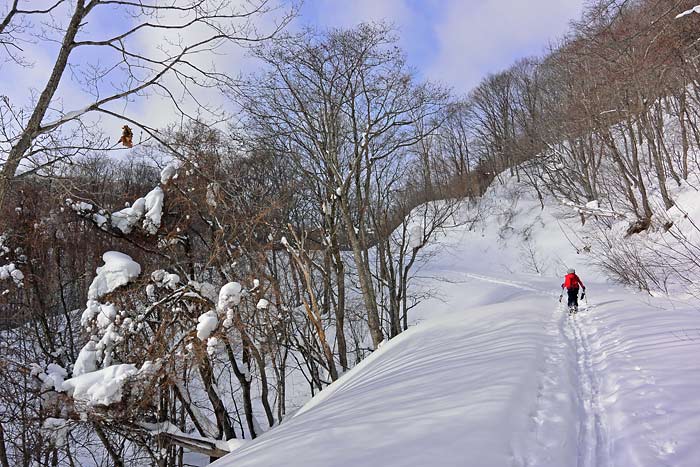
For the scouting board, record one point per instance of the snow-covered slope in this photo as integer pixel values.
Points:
(496, 374)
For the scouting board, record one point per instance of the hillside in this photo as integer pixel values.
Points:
(495, 373)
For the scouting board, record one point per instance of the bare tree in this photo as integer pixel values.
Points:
(336, 104)
(115, 71)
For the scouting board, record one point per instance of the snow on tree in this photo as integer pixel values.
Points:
(99, 387)
(119, 269)
(148, 209)
(695, 9)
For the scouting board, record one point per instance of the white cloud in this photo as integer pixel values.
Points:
(478, 37)
(333, 13)
(456, 42)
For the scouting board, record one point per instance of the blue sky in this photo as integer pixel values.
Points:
(456, 42)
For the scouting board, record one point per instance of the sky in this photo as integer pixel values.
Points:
(455, 42)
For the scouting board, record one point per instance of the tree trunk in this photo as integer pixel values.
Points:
(3, 451)
(222, 419)
(108, 446)
(245, 388)
(684, 134)
(365, 277)
(264, 387)
(339, 267)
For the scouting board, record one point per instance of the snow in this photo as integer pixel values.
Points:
(56, 430)
(206, 290)
(127, 218)
(10, 271)
(106, 315)
(593, 205)
(229, 296)
(92, 309)
(168, 172)
(415, 236)
(149, 208)
(207, 322)
(593, 208)
(52, 378)
(263, 304)
(151, 292)
(119, 269)
(213, 189)
(154, 210)
(101, 387)
(87, 360)
(496, 373)
(213, 345)
(165, 279)
(66, 117)
(235, 443)
(695, 9)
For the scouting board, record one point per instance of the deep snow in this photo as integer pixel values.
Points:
(497, 374)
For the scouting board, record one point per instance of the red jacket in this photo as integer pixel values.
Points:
(572, 281)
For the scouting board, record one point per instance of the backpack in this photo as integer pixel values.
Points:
(571, 281)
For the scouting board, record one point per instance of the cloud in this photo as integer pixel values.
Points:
(413, 29)
(456, 42)
(478, 37)
(332, 13)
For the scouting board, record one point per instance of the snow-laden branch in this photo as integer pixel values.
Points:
(593, 209)
(695, 9)
(208, 446)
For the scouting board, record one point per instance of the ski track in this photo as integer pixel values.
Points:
(593, 447)
(548, 420)
(566, 334)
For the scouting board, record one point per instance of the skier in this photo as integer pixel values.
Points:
(571, 284)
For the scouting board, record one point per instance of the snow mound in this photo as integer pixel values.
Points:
(404, 406)
(119, 269)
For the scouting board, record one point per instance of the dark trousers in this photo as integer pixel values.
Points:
(573, 297)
